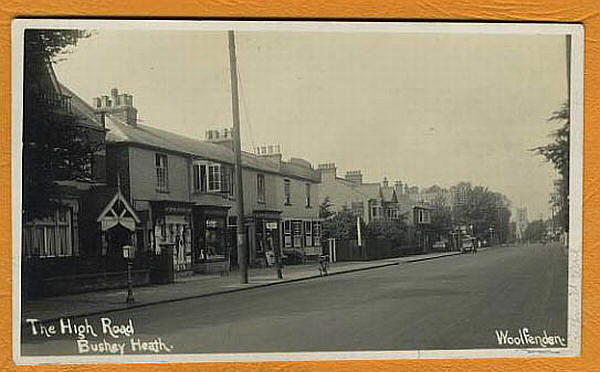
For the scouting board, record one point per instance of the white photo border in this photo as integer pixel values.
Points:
(576, 31)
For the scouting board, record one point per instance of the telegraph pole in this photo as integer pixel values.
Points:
(242, 251)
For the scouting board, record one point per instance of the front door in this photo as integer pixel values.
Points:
(117, 237)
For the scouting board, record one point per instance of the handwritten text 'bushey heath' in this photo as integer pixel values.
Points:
(84, 330)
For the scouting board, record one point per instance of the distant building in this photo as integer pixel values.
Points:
(369, 200)
(521, 222)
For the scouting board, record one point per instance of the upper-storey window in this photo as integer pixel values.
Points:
(212, 177)
(260, 187)
(162, 172)
(287, 192)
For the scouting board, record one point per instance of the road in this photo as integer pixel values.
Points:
(450, 303)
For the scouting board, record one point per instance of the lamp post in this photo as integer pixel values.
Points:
(128, 253)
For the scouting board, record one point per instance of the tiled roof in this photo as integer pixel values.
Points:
(387, 194)
(144, 135)
(81, 109)
(371, 190)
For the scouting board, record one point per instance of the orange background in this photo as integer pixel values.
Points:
(584, 11)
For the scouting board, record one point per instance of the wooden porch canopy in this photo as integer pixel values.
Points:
(118, 212)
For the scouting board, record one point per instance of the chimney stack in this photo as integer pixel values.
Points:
(385, 182)
(355, 177)
(118, 105)
(327, 170)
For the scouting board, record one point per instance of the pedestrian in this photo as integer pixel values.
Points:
(474, 247)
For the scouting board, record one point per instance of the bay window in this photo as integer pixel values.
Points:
(211, 177)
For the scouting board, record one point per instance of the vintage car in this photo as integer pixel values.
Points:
(468, 243)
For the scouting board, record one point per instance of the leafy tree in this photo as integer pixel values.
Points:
(325, 208)
(394, 230)
(55, 147)
(535, 231)
(341, 226)
(557, 153)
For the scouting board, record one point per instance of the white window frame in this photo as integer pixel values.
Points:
(51, 227)
(287, 192)
(316, 233)
(308, 235)
(261, 192)
(209, 175)
(297, 238)
(287, 233)
(162, 171)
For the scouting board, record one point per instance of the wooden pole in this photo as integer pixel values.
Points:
(242, 249)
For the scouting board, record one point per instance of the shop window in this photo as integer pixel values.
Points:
(308, 242)
(287, 234)
(49, 237)
(287, 192)
(232, 221)
(260, 187)
(162, 172)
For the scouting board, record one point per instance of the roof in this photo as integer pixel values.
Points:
(83, 111)
(120, 132)
(388, 194)
(370, 190)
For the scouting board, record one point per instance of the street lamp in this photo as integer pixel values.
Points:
(128, 254)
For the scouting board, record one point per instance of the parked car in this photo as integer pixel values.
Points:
(468, 243)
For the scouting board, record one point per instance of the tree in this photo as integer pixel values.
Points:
(390, 230)
(341, 226)
(55, 147)
(325, 208)
(535, 231)
(557, 153)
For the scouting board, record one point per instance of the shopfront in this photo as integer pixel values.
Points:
(267, 243)
(172, 223)
(210, 235)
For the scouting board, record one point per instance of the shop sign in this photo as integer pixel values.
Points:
(271, 225)
(212, 223)
(176, 210)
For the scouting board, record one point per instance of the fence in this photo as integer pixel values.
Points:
(68, 275)
(371, 249)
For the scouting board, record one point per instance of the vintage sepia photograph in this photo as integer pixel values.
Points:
(189, 191)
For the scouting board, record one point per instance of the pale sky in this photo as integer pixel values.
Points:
(423, 108)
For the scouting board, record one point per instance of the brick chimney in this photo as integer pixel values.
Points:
(328, 171)
(118, 105)
(385, 182)
(222, 136)
(355, 177)
(272, 152)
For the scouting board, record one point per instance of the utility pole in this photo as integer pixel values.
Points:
(242, 250)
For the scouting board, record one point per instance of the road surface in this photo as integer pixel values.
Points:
(456, 302)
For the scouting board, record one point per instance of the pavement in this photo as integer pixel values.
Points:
(454, 303)
(101, 302)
